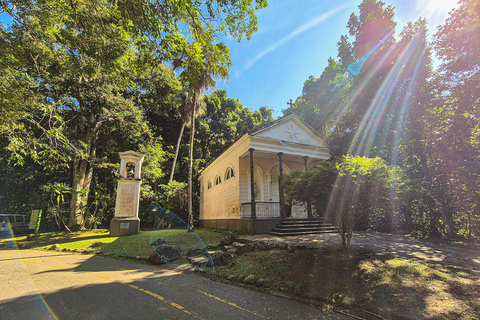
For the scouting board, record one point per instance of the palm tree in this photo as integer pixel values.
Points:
(185, 113)
(206, 82)
(203, 62)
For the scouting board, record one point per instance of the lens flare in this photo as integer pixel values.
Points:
(174, 242)
(356, 67)
(44, 304)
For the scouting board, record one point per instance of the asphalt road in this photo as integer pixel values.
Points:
(52, 285)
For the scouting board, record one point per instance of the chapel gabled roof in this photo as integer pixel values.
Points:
(290, 129)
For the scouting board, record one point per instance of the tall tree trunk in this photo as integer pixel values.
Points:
(176, 152)
(190, 163)
(82, 177)
(82, 173)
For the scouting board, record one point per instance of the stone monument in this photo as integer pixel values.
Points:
(126, 221)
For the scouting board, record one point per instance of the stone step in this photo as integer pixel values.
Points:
(289, 227)
(302, 220)
(299, 233)
(306, 228)
(303, 225)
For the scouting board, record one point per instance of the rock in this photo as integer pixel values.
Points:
(55, 247)
(221, 258)
(165, 253)
(241, 278)
(158, 242)
(229, 239)
(260, 246)
(195, 252)
(261, 282)
(200, 261)
(241, 248)
(97, 244)
(155, 259)
(281, 246)
(243, 240)
(88, 250)
(249, 280)
(298, 289)
(232, 277)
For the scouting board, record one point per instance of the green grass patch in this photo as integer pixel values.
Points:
(129, 246)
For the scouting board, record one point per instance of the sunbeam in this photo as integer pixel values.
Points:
(385, 113)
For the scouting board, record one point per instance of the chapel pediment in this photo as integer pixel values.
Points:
(290, 129)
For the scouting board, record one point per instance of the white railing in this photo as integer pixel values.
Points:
(264, 210)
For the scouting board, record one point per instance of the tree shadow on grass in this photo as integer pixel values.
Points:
(46, 239)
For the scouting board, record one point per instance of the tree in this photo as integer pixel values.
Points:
(322, 105)
(79, 63)
(82, 62)
(203, 63)
(226, 120)
(356, 192)
(185, 114)
(454, 118)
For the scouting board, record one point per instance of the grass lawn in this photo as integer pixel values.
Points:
(134, 246)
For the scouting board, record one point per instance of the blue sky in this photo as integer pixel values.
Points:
(295, 39)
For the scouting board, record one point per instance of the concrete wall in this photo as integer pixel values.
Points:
(241, 225)
(221, 201)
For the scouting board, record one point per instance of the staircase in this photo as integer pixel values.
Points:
(295, 227)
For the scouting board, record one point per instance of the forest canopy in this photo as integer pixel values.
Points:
(398, 108)
(82, 81)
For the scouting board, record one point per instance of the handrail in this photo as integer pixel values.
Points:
(263, 209)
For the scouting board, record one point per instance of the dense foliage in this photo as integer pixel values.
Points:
(424, 122)
(84, 80)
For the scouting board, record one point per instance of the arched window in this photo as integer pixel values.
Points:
(209, 184)
(229, 173)
(217, 180)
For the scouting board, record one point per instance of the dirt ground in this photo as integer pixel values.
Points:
(431, 251)
(389, 276)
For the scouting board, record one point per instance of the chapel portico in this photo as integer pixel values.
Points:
(242, 188)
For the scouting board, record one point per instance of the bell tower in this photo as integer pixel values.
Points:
(126, 221)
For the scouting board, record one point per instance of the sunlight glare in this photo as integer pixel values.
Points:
(436, 10)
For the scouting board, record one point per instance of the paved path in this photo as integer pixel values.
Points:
(37, 284)
(453, 254)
